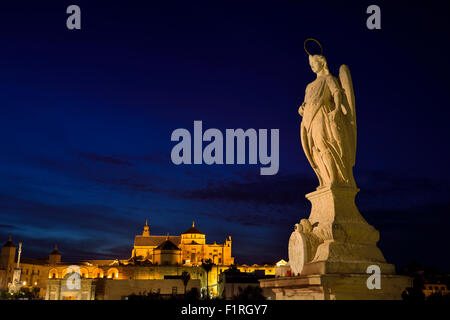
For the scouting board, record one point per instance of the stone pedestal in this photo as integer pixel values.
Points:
(347, 243)
(330, 253)
(336, 287)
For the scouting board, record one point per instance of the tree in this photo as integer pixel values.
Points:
(207, 266)
(193, 294)
(145, 296)
(5, 295)
(185, 277)
(416, 292)
(250, 293)
(35, 291)
(438, 297)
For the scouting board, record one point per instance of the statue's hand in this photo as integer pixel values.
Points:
(333, 114)
(301, 109)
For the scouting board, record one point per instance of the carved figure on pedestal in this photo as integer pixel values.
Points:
(328, 128)
(335, 234)
(331, 251)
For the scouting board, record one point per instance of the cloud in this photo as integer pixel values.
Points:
(103, 159)
(245, 205)
(253, 200)
(385, 183)
(7, 227)
(71, 250)
(290, 189)
(277, 190)
(426, 219)
(134, 174)
(46, 219)
(416, 233)
(135, 184)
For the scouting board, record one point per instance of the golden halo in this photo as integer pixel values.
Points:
(312, 39)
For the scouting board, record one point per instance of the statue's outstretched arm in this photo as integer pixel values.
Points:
(336, 92)
(338, 102)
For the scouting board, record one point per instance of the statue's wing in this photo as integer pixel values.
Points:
(347, 84)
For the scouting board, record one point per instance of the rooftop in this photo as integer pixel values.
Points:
(167, 245)
(193, 230)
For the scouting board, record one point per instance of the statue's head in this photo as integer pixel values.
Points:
(318, 63)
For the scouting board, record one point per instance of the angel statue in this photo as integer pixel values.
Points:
(328, 127)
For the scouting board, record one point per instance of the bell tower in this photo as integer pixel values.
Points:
(146, 232)
(8, 254)
(55, 256)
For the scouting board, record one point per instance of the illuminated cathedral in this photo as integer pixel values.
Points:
(155, 265)
(190, 248)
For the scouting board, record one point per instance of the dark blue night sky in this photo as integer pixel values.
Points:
(87, 117)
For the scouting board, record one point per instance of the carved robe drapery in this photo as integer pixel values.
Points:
(328, 132)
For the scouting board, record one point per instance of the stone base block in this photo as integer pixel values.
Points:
(338, 267)
(336, 287)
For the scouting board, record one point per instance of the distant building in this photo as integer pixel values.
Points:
(155, 261)
(191, 243)
(283, 269)
(430, 288)
(112, 289)
(34, 272)
(233, 280)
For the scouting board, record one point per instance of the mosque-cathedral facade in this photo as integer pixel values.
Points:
(190, 248)
(156, 262)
